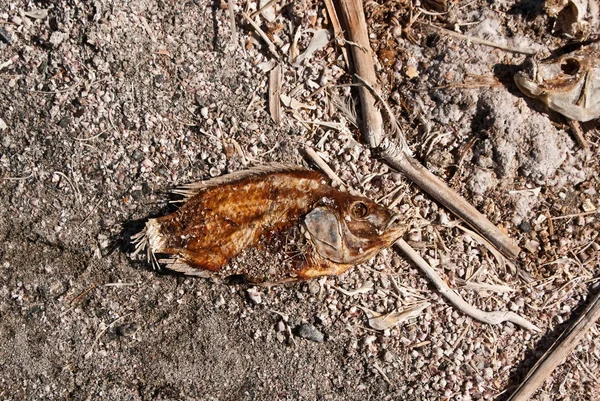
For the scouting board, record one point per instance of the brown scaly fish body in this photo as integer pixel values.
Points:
(224, 216)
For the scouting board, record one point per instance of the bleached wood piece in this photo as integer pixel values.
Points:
(275, 93)
(362, 58)
(562, 347)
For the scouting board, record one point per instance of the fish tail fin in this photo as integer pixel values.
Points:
(151, 240)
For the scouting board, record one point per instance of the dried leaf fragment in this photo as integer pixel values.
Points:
(367, 286)
(380, 321)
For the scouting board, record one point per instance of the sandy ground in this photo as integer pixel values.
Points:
(106, 106)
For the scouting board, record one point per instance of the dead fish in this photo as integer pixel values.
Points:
(569, 84)
(570, 17)
(224, 216)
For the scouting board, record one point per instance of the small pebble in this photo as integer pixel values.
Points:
(5, 37)
(254, 295)
(588, 206)
(310, 332)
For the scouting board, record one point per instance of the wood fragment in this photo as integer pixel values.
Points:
(337, 28)
(557, 353)
(231, 11)
(570, 216)
(478, 40)
(83, 293)
(496, 317)
(275, 93)
(270, 45)
(362, 57)
(318, 160)
(578, 132)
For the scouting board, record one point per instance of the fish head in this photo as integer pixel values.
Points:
(349, 229)
(568, 84)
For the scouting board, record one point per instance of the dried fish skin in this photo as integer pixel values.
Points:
(569, 84)
(224, 216)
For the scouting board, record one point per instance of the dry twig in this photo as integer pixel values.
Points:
(578, 132)
(275, 93)
(362, 54)
(478, 40)
(231, 10)
(271, 46)
(561, 348)
(337, 27)
(456, 300)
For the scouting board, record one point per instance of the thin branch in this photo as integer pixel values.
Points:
(561, 348)
(578, 132)
(318, 160)
(337, 28)
(271, 46)
(390, 115)
(275, 93)
(480, 41)
(393, 155)
(456, 300)
(231, 10)
(362, 57)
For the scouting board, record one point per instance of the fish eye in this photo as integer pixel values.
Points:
(570, 66)
(359, 210)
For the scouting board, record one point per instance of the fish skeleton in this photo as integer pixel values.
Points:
(569, 84)
(224, 216)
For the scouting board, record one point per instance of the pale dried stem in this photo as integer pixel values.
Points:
(456, 300)
(275, 94)
(318, 160)
(578, 132)
(561, 348)
(479, 41)
(440, 191)
(231, 10)
(362, 57)
(337, 27)
(271, 46)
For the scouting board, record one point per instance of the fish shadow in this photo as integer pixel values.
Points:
(528, 9)
(532, 356)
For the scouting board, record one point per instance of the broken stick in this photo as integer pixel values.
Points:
(275, 94)
(353, 15)
(561, 348)
(495, 317)
(440, 191)
(362, 54)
